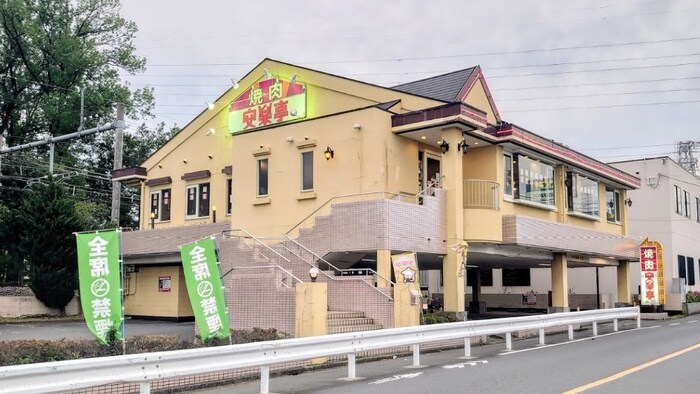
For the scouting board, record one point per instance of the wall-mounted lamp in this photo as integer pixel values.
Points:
(153, 220)
(357, 126)
(462, 146)
(211, 131)
(313, 273)
(213, 213)
(211, 155)
(235, 83)
(444, 147)
(628, 201)
(293, 79)
(289, 139)
(184, 161)
(160, 166)
(268, 75)
(328, 153)
(209, 105)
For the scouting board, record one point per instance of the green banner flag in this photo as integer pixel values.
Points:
(100, 282)
(201, 270)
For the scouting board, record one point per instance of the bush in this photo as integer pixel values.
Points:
(39, 351)
(693, 296)
(438, 317)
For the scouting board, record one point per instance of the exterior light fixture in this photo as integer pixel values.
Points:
(268, 75)
(444, 147)
(213, 213)
(628, 201)
(209, 105)
(313, 273)
(184, 161)
(357, 126)
(328, 153)
(293, 79)
(153, 220)
(235, 83)
(462, 146)
(211, 131)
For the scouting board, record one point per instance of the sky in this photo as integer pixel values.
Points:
(614, 79)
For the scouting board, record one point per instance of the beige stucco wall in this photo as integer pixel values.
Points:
(23, 306)
(144, 299)
(477, 98)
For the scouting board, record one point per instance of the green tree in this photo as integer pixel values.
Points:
(47, 220)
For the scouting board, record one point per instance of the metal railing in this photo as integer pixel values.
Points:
(324, 209)
(333, 267)
(147, 367)
(249, 238)
(481, 194)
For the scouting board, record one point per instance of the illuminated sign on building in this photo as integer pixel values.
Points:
(267, 102)
(651, 264)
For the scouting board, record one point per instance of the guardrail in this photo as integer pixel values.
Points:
(147, 367)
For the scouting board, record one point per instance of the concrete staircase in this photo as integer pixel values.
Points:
(342, 322)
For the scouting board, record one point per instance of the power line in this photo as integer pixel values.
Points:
(595, 84)
(601, 94)
(605, 106)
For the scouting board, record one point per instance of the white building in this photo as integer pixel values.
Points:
(667, 209)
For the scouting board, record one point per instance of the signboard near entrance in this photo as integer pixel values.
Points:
(652, 270)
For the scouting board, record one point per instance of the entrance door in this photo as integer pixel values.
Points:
(432, 169)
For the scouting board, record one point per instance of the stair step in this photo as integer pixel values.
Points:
(345, 315)
(350, 322)
(344, 329)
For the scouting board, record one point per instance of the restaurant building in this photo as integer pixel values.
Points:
(304, 169)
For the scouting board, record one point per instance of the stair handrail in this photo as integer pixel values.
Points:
(429, 186)
(313, 213)
(254, 238)
(317, 257)
(269, 266)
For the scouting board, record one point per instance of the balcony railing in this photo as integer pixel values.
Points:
(481, 194)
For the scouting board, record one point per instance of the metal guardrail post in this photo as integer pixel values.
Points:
(265, 379)
(351, 366)
(639, 321)
(541, 336)
(595, 328)
(571, 332)
(145, 388)
(467, 347)
(416, 355)
(509, 342)
(615, 325)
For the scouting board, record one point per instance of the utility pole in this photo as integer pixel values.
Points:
(118, 157)
(2, 141)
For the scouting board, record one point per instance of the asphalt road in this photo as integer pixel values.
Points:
(56, 330)
(630, 361)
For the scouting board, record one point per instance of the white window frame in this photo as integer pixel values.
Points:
(159, 209)
(506, 168)
(197, 194)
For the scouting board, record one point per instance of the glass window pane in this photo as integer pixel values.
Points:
(165, 206)
(307, 171)
(191, 201)
(229, 197)
(691, 271)
(204, 199)
(262, 177)
(154, 203)
(584, 195)
(507, 175)
(536, 181)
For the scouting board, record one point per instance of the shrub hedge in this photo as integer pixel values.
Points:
(38, 351)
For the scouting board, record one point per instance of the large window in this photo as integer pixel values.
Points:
(508, 175)
(262, 177)
(534, 180)
(486, 276)
(679, 203)
(197, 200)
(307, 171)
(582, 194)
(691, 271)
(516, 276)
(681, 267)
(160, 205)
(686, 204)
(697, 209)
(612, 205)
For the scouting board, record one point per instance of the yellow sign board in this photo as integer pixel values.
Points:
(651, 264)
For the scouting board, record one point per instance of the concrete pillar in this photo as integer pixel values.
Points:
(406, 306)
(453, 184)
(476, 306)
(623, 282)
(311, 313)
(383, 268)
(560, 284)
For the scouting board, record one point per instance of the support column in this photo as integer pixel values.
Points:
(453, 183)
(311, 311)
(384, 268)
(623, 282)
(476, 306)
(560, 284)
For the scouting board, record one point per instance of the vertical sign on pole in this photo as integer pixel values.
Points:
(99, 271)
(652, 271)
(202, 277)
